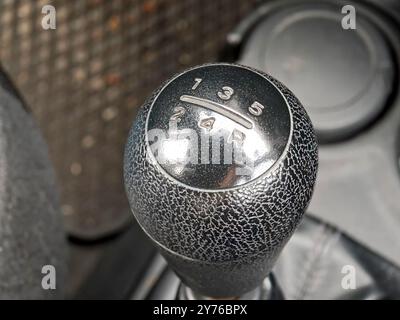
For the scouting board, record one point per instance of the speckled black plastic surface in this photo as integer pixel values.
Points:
(31, 226)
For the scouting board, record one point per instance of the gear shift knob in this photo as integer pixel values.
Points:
(219, 168)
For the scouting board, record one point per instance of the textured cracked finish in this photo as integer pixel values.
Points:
(223, 243)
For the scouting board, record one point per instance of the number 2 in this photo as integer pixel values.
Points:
(178, 114)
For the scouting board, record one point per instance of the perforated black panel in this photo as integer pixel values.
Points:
(85, 80)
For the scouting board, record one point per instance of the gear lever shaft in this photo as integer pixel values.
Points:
(219, 168)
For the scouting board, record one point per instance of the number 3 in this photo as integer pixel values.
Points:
(226, 94)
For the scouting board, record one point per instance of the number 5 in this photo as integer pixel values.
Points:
(256, 109)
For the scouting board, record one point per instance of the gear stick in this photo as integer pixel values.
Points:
(219, 168)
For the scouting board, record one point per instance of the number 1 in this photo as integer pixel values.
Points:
(197, 82)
